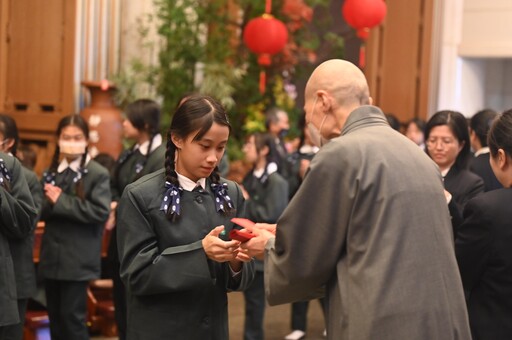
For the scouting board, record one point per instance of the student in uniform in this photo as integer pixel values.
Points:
(21, 248)
(17, 215)
(142, 126)
(266, 195)
(77, 192)
(176, 259)
(483, 244)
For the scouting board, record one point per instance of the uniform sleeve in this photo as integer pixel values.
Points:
(268, 208)
(17, 211)
(310, 235)
(472, 245)
(93, 209)
(144, 268)
(36, 190)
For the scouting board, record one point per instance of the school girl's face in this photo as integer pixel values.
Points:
(74, 135)
(129, 131)
(251, 154)
(198, 158)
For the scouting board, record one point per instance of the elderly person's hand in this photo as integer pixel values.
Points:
(256, 246)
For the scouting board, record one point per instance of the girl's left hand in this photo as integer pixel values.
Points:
(52, 192)
(218, 250)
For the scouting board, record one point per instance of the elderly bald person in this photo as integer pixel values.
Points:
(369, 225)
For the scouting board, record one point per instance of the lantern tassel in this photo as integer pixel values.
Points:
(362, 56)
(263, 81)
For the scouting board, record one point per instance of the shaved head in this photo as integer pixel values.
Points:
(342, 80)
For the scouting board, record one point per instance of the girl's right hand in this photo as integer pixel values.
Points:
(52, 192)
(217, 249)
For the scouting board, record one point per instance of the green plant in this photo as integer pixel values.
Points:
(200, 50)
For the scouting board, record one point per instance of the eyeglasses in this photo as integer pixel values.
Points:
(446, 141)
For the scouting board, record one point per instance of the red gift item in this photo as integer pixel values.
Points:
(239, 235)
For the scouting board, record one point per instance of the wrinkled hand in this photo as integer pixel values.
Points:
(52, 192)
(219, 250)
(255, 247)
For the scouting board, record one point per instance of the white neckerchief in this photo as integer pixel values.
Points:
(143, 148)
(482, 151)
(74, 165)
(271, 168)
(188, 184)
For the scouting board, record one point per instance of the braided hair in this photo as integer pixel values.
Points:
(195, 113)
(79, 122)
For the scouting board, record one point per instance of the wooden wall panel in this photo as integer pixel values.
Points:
(36, 68)
(398, 59)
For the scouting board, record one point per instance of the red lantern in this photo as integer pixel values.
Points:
(363, 15)
(265, 36)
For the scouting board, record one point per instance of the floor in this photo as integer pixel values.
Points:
(277, 321)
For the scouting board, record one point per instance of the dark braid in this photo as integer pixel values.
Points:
(55, 160)
(170, 173)
(79, 186)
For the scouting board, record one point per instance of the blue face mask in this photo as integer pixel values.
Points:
(283, 133)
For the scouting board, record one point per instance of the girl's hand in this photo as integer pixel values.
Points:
(52, 192)
(218, 250)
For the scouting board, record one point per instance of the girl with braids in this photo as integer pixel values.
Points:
(483, 243)
(142, 125)
(176, 259)
(77, 192)
(266, 194)
(21, 248)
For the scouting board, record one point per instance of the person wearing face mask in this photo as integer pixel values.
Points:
(21, 248)
(369, 227)
(76, 207)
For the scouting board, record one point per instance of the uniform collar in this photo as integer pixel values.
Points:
(363, 116)
(143, 148)
(74, 165)
(189, 185)
(482, 151)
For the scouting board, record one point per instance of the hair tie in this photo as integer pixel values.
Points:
(172, 196)
(221, 196)
(49, 177)
(4, 172)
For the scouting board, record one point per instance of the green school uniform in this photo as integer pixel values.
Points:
(17, 215)
(174, 290)
(71, 244)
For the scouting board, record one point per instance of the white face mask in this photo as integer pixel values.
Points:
(72, 148)
(316, 134)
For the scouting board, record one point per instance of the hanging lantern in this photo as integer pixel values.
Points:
(363, 15)
(265, 36)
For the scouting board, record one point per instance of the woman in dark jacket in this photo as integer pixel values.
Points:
(447, 140)
(483, 244)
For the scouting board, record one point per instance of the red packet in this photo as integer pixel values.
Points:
(239, 235)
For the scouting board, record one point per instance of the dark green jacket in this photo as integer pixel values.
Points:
(17, 215)
(71, 244)
(174, 291)
(126, 174)
(22, 249)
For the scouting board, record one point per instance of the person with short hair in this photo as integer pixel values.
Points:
(368, 228)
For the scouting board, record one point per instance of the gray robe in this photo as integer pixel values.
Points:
(370, 224)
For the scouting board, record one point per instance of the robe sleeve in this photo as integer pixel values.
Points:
(311, 233)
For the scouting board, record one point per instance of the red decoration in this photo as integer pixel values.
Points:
(363, 15)
(265, 36)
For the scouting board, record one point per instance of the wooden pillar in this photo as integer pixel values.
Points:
(399, 59)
